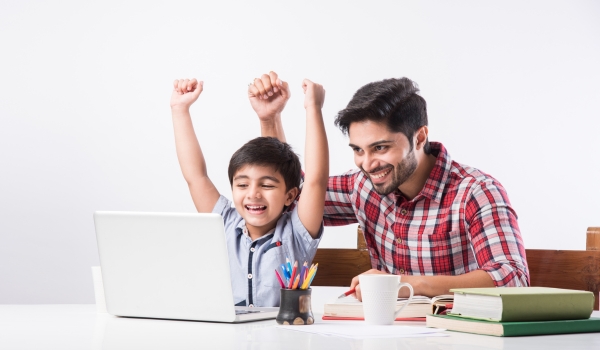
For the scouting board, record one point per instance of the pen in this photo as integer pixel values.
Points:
(351, 291)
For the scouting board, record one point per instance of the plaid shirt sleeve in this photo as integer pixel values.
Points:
(338, 200)
(495, 236)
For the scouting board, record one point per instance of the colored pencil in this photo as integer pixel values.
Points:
(296, 282)
(303, 273)
(307, 279)
(293, 275)
(289, 265)
(279, 279)
(313, 276)
(285, 275)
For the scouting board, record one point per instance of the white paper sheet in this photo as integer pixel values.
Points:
(362, 330)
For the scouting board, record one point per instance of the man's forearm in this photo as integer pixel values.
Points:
(437, 285)
(272, 128)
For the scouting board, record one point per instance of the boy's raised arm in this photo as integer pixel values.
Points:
(191, 160)
(316, 160)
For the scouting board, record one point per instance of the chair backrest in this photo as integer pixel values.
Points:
(570, 269)
(592, 241)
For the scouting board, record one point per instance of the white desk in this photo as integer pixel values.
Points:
(81, 327)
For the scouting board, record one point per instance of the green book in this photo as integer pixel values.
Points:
(513, 329)
(511, 304)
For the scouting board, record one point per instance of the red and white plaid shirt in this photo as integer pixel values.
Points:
(461, 221)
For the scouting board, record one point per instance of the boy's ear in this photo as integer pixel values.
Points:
(290, 196)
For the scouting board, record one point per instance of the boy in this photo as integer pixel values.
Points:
(265, 177)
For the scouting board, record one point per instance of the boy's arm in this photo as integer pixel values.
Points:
(191, 160)
(268, 96)
(316, 160)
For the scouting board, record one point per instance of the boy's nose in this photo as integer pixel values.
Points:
(254, 193)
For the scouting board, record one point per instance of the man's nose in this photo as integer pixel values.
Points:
(368, 162)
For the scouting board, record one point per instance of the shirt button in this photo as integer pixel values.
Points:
(399, 240)
(403, 212)
(401, 270)
(252, 249)
(249, 276)
(245, 230)
(251, 305)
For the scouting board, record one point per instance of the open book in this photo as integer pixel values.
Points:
(420, 306)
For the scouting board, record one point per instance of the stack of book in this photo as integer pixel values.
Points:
(350, 308)
(519, 311)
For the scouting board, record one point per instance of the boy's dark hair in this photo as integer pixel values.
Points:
(394, 102)
(268, 151)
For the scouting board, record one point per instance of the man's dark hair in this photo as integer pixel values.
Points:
(394, 102)
(270, 152)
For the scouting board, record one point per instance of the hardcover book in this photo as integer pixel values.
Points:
(509, 304)
(513, 329)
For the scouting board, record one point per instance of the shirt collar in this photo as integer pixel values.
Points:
(436, 182)
(241, 229)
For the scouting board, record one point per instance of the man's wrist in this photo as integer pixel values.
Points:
(272, 127)
(418, 284)
(270, 119)
(271, 123)
(180, 108)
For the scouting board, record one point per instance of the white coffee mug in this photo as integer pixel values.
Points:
(379, 296)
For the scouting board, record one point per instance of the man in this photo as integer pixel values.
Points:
(438, 223)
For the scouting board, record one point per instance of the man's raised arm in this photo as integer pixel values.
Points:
(268, 96)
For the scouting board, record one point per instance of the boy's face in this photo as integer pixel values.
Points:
(259, 196)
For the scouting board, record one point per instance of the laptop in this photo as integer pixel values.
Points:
(168, 266)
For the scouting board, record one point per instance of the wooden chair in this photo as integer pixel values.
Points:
(570, 269)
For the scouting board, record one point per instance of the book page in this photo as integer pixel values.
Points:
(417, 299)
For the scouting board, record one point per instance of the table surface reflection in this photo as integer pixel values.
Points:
(81, 327)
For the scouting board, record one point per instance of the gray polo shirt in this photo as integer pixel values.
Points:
(252, 264)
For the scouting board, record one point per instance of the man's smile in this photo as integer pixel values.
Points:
(380, 172)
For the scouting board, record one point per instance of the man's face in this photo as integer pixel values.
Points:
(385, 157)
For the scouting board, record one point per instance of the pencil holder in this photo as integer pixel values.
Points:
(295, 307)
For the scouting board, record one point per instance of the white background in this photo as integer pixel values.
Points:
(512, 89)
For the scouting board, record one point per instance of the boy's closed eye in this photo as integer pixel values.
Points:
(268, 186)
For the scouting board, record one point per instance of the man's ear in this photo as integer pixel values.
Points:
(290, 196)
(421, 136)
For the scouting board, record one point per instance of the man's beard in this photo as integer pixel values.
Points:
(400, 173)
